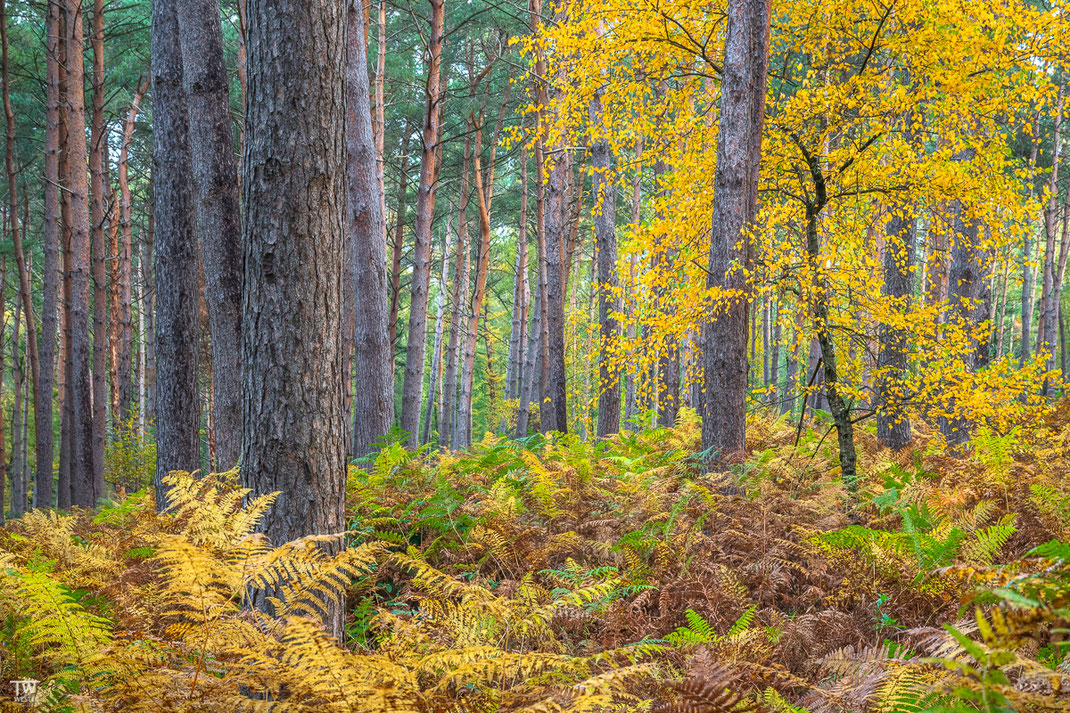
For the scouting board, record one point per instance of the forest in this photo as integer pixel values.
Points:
(544, 355)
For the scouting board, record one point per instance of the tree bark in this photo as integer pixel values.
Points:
(148, 309)
(398, 247)
(125, 268)
(735, 194)
(294, 239)
(604, 192)
(43, 433)
(215, 178)
(893, 426)
(412, 387)
(83, 481)
(514, 369)
(459, 298)
(374, 397)
(18, 485)
(436, 355)
(176, 265)
(97, 177)
(1045, 329)
(25, 287)
(1028, 278)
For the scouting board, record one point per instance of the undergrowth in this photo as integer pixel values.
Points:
(555, 574)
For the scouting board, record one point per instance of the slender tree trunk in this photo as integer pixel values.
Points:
(1027, 270)
(436, 355)
(604, 192)
(459, 299)
(514, 371)
(3, 455)
(734, 209)
(176, 264)
(18, 485)
(554, 414)
(215, 179)
(1046, 327)
(123, 289)
(412, 387)
(43, 433)
(379, 129)
(463, 430)
(148, 302)
(633, 264)
(97, 177)
(294, 237)
(373, 354)
(398, 247)
(25, 287)
(893, 425)
(83, 481)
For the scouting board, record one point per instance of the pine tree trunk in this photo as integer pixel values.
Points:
(148, 306)
(18, 485)
(464, 397)
(124, 293)
(436, 355)
(965, 281)
(215, 178)
(83, 473)
(25, 288)
(373, 355)
(97, 177)
(294, 239)
(379, 128)
(43, 433)
(734, 206)
(459, 300)
(398, 247)
(1045, 328)
(893, 426)
(176, 264)
(412, 387)
(604, 193)
(514, 370)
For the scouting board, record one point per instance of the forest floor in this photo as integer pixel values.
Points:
(569, 575)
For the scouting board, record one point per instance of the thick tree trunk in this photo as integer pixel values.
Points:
(966, 309)
(294, 240)
(83, 481)
(604, 192)
(215, 178)
(412, 387)
(97, 178)
(176, 265)
(734, 207)
(893, 425)
(554, 412)
(373, 355)
(459, 300)
(379, 128)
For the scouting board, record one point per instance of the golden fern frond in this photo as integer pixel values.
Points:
(710, 693)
